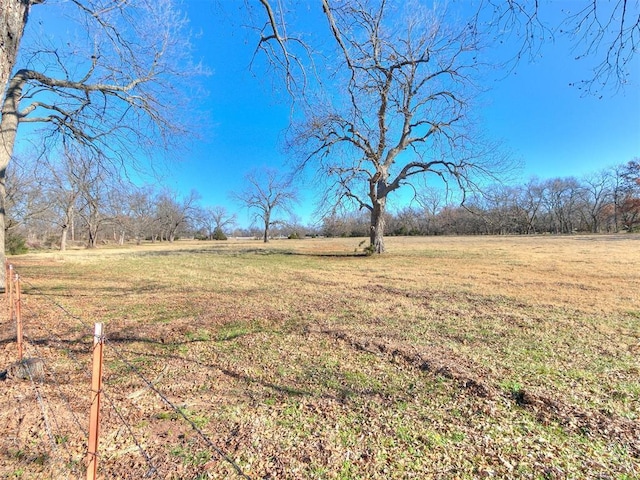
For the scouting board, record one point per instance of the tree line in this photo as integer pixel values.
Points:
(607, 201)
(74, 200)
(85, 202)
(80, 202)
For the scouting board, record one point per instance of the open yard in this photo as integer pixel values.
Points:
(447, 358)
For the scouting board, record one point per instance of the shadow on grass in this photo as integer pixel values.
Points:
(234, 252)
(97, 291)
(340, 393)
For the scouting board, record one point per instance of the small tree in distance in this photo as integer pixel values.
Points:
(215, 220)
(265, 193)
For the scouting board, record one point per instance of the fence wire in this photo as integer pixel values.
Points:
(152, 467)
(49, 414)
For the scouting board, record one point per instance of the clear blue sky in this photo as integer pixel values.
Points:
(549, 125)
(552, 127)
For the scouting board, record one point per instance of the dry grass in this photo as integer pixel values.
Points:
(505, 357)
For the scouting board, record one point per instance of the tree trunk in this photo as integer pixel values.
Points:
(267, 221)
(8, 130)
(63, 238)
(13, 18)
(65, 228)
(615, 212)
(93, 236)
(376, 234)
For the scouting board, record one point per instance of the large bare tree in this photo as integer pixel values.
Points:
(110, 83)
(400, 107)
(405, 91)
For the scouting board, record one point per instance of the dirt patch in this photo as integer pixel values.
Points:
(580, 421)
(440, 361)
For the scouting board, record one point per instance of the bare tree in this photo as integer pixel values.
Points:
(65, 181)
(403, 88)
(215, 220)
(140, 204)
(530, 201)
(627, 195)
(562, 199)
(118, 207)
(24, 196)
(265, 194)
(502, 212)
(432, 200)
(597, 190)
(174, 214)
(93, 184)
(107, 88)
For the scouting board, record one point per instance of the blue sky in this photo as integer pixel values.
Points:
(550, 126)
(553, 128)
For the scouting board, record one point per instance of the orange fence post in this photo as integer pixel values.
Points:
(96, 393)
(18, 319)
(9, 288)
(7, 278)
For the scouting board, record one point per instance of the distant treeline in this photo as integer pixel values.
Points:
(91, 208)
(606, 202)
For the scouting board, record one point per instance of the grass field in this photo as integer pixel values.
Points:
(446, 358)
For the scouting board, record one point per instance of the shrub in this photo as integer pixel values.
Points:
(218, 234)
(15, 244)
(294, 236)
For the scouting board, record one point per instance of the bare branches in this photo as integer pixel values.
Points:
(326, 8)
(610, 26)
(289, 54)
(605, 32)
(265, 194)
(400, 109)
(124, 78)
(275, 35)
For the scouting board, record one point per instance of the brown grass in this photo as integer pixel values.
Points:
(506, 357)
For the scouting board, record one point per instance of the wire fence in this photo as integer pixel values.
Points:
(49, 383)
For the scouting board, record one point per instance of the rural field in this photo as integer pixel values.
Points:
(446, 358)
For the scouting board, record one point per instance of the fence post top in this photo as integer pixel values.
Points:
(97, 333)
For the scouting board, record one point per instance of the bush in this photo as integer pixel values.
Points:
(218, 234)
(15, 244)
(294, 236)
